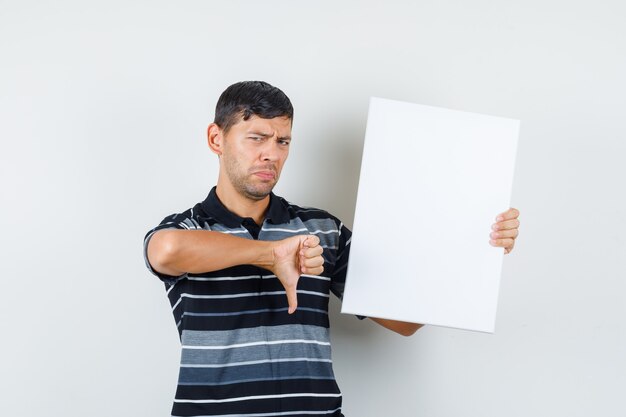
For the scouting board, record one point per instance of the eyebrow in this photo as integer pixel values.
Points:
(266, 135)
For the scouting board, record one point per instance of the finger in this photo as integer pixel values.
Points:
(292, 298)
(313, 262)
(504, 233)
(312, 252)
(507, 224)
(508, 249)
(313, 271)
(511, 213)
(501, 242)
(311, 241)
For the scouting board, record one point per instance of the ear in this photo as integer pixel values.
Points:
(215, 138)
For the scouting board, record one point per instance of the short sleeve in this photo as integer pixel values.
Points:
(338, 276)
(173, 221)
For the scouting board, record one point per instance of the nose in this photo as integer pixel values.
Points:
(270, 151)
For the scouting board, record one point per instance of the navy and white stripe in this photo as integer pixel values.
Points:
(242, 353)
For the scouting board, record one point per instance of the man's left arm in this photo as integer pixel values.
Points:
(504, 233)
(401, 327)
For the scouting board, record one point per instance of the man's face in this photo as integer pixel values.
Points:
(254, 152)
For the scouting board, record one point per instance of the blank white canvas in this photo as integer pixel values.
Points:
(432, 182)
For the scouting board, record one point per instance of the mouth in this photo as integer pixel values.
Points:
(265, 175)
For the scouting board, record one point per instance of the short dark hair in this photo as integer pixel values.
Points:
(247, 98)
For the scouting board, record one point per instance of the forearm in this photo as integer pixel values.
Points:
(402, 327)
(175, 252)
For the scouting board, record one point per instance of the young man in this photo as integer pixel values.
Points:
(249, 274)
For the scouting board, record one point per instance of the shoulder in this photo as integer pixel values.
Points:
(191, 218)
(308, 213)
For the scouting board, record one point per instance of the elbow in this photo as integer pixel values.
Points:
(161, 251)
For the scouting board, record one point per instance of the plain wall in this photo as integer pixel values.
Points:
(103, 109)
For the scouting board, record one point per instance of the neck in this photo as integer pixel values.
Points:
(241, 205)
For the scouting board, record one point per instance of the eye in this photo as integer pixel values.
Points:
(284, 142)
(255, 138)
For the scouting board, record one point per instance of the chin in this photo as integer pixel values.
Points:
(258, 194)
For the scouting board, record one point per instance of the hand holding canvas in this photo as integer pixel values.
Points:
(505, 230)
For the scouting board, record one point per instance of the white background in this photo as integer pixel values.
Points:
(103, 109)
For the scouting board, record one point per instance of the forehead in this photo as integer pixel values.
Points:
(282, 125)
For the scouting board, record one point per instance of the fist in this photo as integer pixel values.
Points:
(301, 254)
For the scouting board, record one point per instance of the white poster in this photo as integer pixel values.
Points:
(432, 182)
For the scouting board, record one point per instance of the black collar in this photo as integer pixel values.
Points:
(277, 212)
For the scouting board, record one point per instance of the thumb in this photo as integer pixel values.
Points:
(292, 298)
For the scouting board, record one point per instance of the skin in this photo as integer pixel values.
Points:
(505, 230)
(252, 154)
(248, 150)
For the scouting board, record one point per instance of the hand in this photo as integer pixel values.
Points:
(301, 254)
(505, 230)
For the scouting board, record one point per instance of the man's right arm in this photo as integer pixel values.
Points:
(174, 252)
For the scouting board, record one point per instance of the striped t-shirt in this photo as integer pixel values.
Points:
(243, 355)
